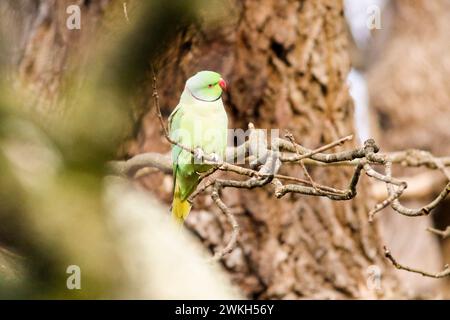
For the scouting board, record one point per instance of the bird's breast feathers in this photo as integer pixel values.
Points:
(202, 125)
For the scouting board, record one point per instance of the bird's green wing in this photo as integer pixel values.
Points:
(174, 122)
(184, 173)
(174, 125)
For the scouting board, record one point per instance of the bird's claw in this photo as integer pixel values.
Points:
(215, 157)
(198, 155)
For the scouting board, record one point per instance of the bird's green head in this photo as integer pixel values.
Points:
(206, 86)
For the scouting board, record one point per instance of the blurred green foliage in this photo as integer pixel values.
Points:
(52, 213)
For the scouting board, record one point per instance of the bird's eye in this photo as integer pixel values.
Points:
(210, 85)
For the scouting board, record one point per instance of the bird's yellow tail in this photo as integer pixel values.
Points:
(180, 208)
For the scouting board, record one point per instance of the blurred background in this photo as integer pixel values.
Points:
(76, 93)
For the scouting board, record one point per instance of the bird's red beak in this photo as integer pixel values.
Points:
(223, 84)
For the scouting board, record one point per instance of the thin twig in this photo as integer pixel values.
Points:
(442, 274)
(392, 195)
(155, 96)
(231, 219)
(311, 153)
(291, 138)
(125, 12)
(443, 233)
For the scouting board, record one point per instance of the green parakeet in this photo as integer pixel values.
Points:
(199, 122)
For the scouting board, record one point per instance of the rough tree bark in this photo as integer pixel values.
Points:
(408, 78)
(286, 63)
(46, 51)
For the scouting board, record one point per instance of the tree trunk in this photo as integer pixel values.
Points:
(286, 62)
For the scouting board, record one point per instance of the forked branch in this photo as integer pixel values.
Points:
(266, 161)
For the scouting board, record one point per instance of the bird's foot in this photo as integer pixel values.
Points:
(198, 155)
(215, 157)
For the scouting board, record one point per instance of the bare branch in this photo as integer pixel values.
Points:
(425, 210)
(443, 233)
(442, 274)
(130, 167)
(265, 162)
(125, 12)
(299, 149)
(231, 219)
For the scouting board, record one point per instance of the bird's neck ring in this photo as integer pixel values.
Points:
(200, 99)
